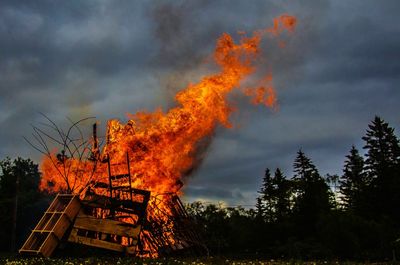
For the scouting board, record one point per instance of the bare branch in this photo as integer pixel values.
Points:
(40, 140)
(33, 146)
(55, 125)
(75, 125)
(47, 135)
(74, 147)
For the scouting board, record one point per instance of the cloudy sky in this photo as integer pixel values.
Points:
(107, 58)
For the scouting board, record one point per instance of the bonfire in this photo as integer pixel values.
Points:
(123, 194)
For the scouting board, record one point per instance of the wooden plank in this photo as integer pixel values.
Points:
(61, 226)
(28, 243)
(130, 250)
(52, 222)
(107, 226)
(49, 245)
(73, 235)
(35, 240)
(119, 176)
(43, 221)
(28, 251)
(95, 242)
(123, 206)
(73, 207)
(53, 204)
(98, 201)
(53, 225)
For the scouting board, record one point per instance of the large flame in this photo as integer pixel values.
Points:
(161, 147)
(164, 147)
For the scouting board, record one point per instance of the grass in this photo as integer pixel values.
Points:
(16, 260)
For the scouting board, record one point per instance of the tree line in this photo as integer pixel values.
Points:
(307, 215)
(21, 203)
(352, 216)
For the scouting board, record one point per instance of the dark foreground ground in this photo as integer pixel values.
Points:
(189, 261)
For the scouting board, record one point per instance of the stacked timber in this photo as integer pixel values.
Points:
(51, 228)
(96, 221)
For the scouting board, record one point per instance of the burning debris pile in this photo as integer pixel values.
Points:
(125, 190)
(114, 215)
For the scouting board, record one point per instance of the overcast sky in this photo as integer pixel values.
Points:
(107, 58)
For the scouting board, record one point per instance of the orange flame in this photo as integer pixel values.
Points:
(283, 22)
(164, 147)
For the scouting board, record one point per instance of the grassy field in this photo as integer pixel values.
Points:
(181, 261)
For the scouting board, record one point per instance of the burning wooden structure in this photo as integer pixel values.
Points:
(117, 221)
(116, 210)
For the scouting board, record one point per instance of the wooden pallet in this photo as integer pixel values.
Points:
(51, 228)
(105, 233)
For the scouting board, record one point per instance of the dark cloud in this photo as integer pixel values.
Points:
(213, 193)
(99, 58)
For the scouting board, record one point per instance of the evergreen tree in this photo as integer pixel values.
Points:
(274, 200)
(382, 165)
(259, 208)
(333, 181)
(304, 169)
(19, 180)
(282, 192)
(383, 150)
(267, 196)
(312, 195)
(353, 182)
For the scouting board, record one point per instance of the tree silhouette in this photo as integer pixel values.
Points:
(382, 166)
(273, 204)
(383, 150)
(282, 193)
(19, 180)
(259, 208)
(304, 169)
(267, 197)
(312, 194)
(353, 182)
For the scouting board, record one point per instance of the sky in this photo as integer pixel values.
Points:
(104, 59)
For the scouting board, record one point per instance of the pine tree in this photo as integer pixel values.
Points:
(282, 193)
(333, 181)
(383, 150)
(353, 182)
(259, 208)
(382, 165)
(267, 196)
(313, 198)
(304, 169)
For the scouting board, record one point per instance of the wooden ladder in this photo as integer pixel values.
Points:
(51, 228)
(112, 178)
(136, 207)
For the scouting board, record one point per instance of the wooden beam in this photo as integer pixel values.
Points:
(49, 245)
(95, 242)
(73, 207)
(107, 226)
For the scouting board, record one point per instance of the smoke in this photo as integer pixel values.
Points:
(201, 152)
(183, 44)
(182, 49)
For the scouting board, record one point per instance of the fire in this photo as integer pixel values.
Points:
(163, 147)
